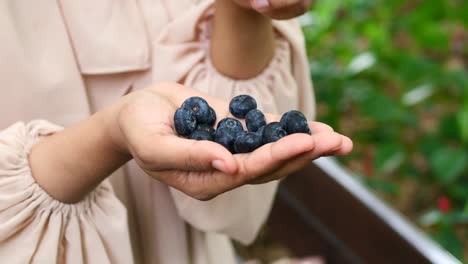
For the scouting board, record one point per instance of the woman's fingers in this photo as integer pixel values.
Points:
(327, 142)
(201, 185)
(344, 143)
(287, 168)
(171, 152)
(270, 162)
(267, 158)
(270, 157)
(281, 9)
(324, 143)
(269, 5)
(317, 127)
(346, 146)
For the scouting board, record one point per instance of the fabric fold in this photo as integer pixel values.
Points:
(44, 229)
(113, 39)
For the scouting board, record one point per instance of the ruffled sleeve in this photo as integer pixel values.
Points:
(282, 86)
(35, 228)
(275, 88)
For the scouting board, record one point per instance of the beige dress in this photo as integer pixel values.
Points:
(61, 61)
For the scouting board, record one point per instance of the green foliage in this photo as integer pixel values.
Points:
(448, 164)
(392, 75)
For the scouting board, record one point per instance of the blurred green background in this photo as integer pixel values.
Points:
(392, 75)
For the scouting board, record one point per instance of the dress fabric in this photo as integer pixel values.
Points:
(68, 59)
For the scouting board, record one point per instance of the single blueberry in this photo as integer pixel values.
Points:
(295, 122)
(247, 142)
(241, 105)
(273, 132)
(231, 123)
(254, 119)
(201, 134)
(260, 131)
(200, 108)
(211, 117)
(185, 121)
(206, 128)
(226, 137)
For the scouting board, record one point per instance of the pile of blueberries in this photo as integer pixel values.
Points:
(195, 120)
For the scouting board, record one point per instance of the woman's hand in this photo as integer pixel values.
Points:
(204, 169)
(277, 9)
(71, 163)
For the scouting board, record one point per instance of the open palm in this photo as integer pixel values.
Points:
(204, 169)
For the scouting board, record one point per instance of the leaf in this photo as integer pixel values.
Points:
(378, 37)
(361, 62)
(433, 36)
(389, 157)
(429, 144)
(417, 95)
(448, 164)
(462, 118)
(459, 191)
(431, 218)
(413, 68)
(381, 185)
(449, 128)
(382, 108)
(322, 17)
(459, 217)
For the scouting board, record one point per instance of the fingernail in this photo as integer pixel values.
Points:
(260, 4)
(219, 165)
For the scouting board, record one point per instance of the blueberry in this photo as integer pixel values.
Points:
(200, 108)
(241, 105)
(211, 117)
(254, 120)
(206, 128)
(295, 122)
(260, 131)
(273, 132)
(230, 123)
(185, 121)
(201, 134)
(247, 142)
(226, 137)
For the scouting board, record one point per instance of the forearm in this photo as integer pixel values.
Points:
(242, 44)
(71, 163)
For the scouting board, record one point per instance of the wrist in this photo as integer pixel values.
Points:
(108, 120)
(242, 43)
(71, 163)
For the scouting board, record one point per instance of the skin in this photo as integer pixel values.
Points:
(71, 163)
(243, 41)
(68, 165)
